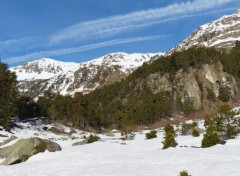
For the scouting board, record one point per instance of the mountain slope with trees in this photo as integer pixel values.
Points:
(135, 100)
(13, 105)
(186, 81)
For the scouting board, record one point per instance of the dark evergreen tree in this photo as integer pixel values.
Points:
(27, 108)
(184, 173)
(210, 138)
(8, 95)
(81, 109)
(169, 129)
(169, 139)
(43, 104)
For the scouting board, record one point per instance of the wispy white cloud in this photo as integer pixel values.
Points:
(127, 22)
(13, 42)
(40, 54)
(20, 43)
(105, 27)
(30, 42)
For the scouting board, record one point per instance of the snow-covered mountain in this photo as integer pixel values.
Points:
(221, 33)
(44, 75)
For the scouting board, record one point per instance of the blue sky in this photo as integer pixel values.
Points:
(80, 30)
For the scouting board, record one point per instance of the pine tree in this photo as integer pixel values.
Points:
(169, 140)
(27, 108)
(211, 137)
(81, 108)
(169, 129)
(184, 173)
(8, 95)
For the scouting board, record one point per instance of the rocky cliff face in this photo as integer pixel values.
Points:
(48, 75)
(221, 33)
(203, 88)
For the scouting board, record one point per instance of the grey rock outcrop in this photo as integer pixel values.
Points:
(80, 143)
(199, 86)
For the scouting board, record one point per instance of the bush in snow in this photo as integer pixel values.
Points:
(151, 134)
(169, 140)
(195, 132)
(92, 138)
(184, 173)
(211, 137)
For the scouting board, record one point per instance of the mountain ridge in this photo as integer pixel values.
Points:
(220, 33)
(47, 74)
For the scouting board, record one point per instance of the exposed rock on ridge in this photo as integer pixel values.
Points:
(221, 33)
(201, 86)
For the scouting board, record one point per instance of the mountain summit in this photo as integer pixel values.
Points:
(221, 33)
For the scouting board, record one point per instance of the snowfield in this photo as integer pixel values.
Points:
(113, 157)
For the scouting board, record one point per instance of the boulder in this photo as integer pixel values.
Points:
(57, 130)
(80, 143)
(8, 140)
(25, 148)
(45, 128)
(38, 122)
(130, 136)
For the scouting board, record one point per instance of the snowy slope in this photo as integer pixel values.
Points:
(45, 74)
(139, 157)
(44, 68)
(127, 62)
(221, 33)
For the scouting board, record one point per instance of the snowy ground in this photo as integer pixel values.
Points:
(113, 157)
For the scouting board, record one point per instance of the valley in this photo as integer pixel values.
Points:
(164, 113)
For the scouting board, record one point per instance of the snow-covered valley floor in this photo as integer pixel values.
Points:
(139, 157)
